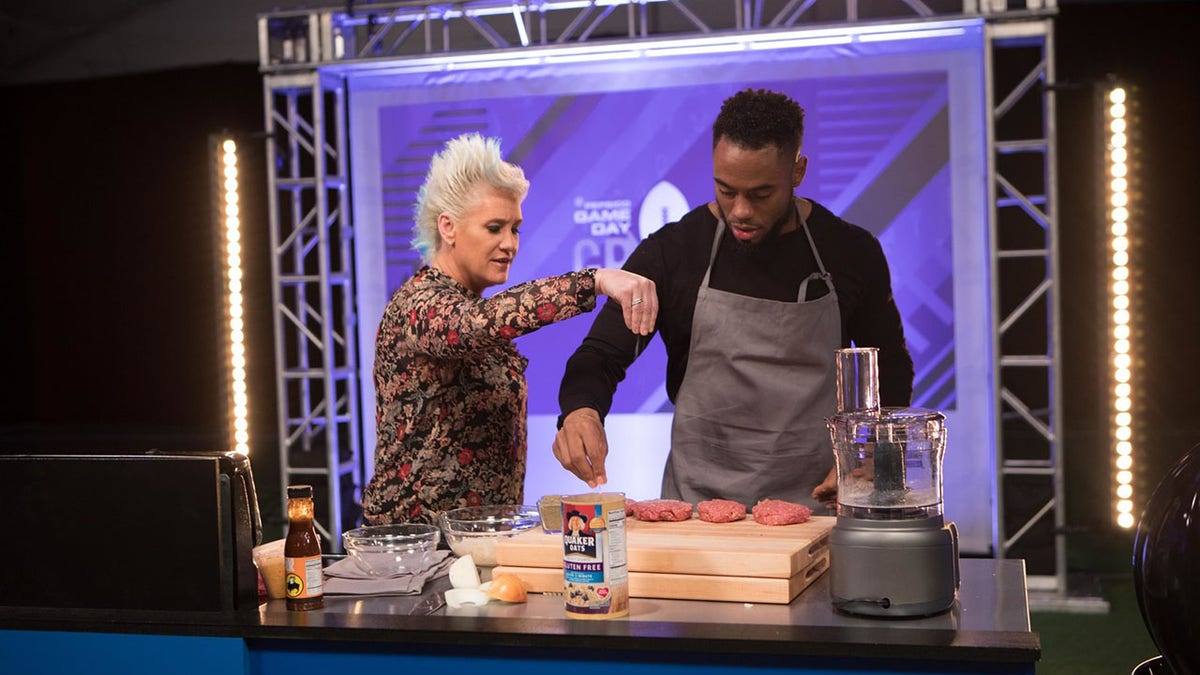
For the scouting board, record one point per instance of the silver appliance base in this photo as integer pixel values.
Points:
(893, 567)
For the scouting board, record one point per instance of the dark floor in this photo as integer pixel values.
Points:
(1097, 644)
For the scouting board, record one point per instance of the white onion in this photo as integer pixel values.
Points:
(464, 573)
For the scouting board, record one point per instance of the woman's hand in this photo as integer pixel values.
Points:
(636, 295)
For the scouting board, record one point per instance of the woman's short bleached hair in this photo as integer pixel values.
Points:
(463, 164)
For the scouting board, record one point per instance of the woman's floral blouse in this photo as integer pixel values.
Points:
(450, 392)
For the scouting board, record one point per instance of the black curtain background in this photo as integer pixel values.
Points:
(112, 302)
(110, 299)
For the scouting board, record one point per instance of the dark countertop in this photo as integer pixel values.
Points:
(989, 623)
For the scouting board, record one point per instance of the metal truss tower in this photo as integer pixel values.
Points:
(304, 53)
(1030, 513)
(316, 367)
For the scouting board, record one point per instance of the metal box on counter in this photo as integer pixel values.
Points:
(153, 531)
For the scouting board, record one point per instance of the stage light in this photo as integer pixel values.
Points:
(1117, 146)
(229, 237)
(910, 35)
(533, 55)
(803, 42)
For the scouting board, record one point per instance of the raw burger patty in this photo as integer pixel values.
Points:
(662, 509)
(721, 510)
(779, 512)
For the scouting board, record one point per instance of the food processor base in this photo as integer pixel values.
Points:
(893, 568)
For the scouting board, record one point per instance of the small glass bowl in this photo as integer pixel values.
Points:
(476, 529)
(392, 550)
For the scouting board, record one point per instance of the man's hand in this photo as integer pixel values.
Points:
(581, 446)
(825, 492)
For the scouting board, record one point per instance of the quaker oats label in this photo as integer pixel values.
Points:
(595, 572)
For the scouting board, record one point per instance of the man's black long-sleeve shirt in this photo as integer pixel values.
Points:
(676, 257)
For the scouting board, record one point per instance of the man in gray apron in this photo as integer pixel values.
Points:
(753, 426)
(756, 291)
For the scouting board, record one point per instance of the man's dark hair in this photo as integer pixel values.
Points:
(756, 118)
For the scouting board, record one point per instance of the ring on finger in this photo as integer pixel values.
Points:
(635, 302)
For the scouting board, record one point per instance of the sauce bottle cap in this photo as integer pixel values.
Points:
(299, 492)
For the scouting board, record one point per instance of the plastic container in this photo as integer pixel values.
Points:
(889, 464)
(550, 509)
(268, 558)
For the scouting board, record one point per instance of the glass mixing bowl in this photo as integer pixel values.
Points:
(392, 550)
(477, 529)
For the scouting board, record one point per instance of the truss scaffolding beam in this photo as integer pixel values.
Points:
(315, 327)
(1029, 420)
(385, 31)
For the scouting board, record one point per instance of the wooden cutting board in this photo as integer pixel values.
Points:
(692, 560)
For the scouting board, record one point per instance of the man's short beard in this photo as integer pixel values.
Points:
(750, 248)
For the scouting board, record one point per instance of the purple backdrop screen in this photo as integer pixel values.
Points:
(615, 149)
(607, 168)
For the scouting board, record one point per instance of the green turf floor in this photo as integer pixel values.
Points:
(1096, 644)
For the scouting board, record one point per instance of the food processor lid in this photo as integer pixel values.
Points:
(897, 424)
(911, 415)
(906, 415)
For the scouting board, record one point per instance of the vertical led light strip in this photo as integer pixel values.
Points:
(236, 341)
(1117, 207)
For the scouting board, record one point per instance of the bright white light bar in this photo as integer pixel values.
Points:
(909, 35)
(1116, 206)
(227, 173)
(649, 48)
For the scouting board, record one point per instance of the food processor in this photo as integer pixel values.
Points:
(891, 553)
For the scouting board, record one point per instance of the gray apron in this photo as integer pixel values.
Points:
(750, 414)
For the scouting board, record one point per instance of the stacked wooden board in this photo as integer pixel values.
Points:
(691, 560)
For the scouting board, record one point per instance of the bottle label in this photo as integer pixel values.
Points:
(303, 577)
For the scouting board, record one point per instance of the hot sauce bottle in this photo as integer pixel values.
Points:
(302, 552)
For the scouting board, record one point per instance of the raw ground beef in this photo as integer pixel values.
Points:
(630, 505)
(779, 512)
(721, 510)
(662, 509)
